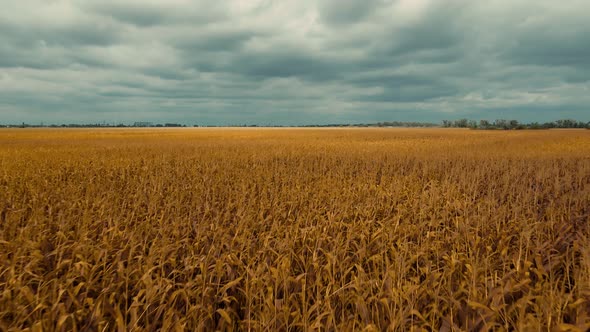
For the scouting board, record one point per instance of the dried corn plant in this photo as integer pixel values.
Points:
(294, 229)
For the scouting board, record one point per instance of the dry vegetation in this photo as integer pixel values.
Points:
(352, 229)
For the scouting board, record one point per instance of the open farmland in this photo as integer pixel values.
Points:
(294, 229)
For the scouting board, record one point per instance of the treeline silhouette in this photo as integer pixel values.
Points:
(514, 124)
(460, 123)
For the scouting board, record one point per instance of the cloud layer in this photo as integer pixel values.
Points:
(293, 62)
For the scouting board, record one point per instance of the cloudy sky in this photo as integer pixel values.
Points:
(293, 61)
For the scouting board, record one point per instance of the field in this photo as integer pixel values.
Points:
(294, 229)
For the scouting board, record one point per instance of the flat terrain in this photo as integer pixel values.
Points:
(294, 229)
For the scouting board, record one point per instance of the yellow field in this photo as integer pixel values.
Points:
(294, 229)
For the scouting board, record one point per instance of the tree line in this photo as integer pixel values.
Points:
(513, 124)
(460, 123)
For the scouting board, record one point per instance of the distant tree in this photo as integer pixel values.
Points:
(502, 124)
(461, 123)
(566, 123)
(484, 124)
(446, 123)
(472, 124)
(535, 125)
(513, 124)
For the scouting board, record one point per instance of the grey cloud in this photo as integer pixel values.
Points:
(78, 34)
(293, 62)
(142, 16)
(394, 80)
(285, 65)
(417, 93)
(339, 12)
(33, 56)
(169, 73)
(148, 14)
(194, 41)
(551, 48)
(45, 46)
(406, 88)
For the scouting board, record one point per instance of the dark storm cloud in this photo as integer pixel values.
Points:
(293, 62)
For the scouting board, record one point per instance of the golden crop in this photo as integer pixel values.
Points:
(294, 229)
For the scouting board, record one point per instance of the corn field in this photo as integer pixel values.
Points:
(294, 230)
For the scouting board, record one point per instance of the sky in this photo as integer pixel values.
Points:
(293, 62)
